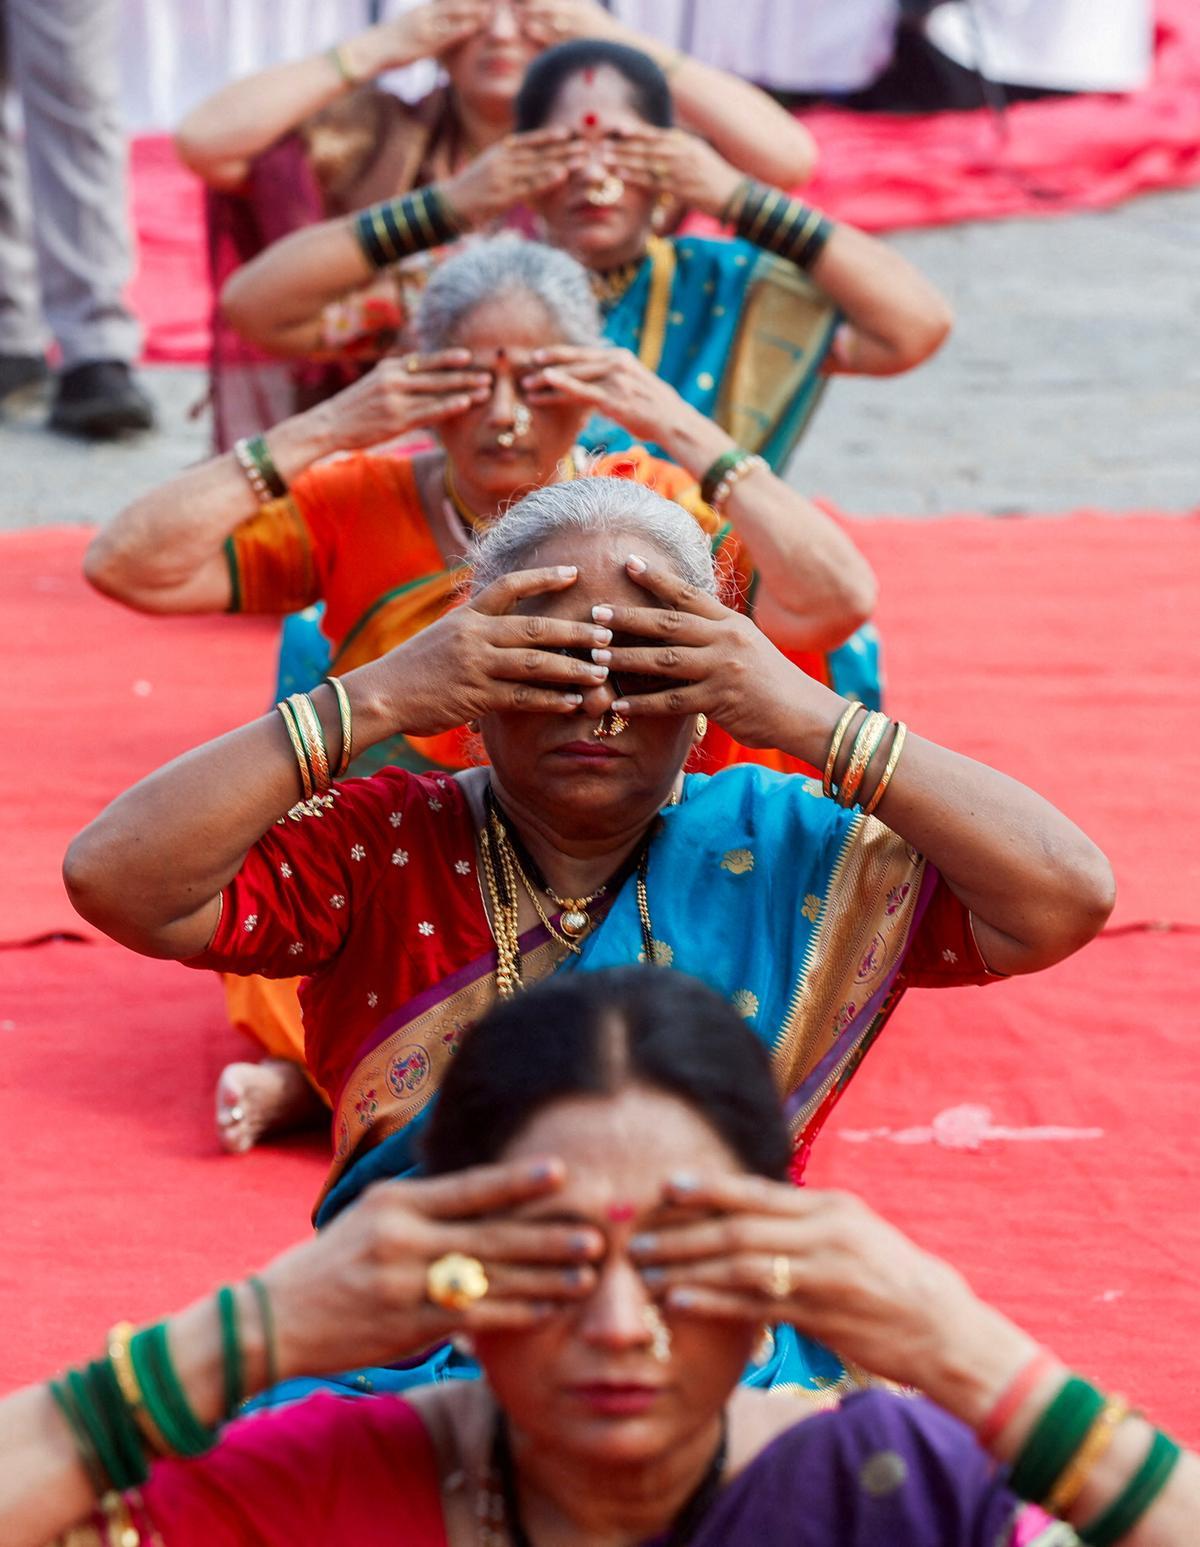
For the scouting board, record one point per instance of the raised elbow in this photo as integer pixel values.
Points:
(102, 569)
(86, 873)
(1094, 892)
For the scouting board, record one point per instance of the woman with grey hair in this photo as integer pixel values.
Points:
(379, 533)
(589, 653)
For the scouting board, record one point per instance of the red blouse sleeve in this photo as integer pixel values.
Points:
(325, 1469)
(943, 952)
(290, 907)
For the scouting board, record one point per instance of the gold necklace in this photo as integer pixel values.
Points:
(503, 874)
(609, 285)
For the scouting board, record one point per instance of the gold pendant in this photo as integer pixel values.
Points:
(573, 922)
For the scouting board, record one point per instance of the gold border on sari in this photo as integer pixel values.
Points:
(862, 930)
(397, 1079)
(658, 302)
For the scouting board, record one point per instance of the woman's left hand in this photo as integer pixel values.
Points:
(612, 380)
(675, 162)
(760, 1251)
(720, 663)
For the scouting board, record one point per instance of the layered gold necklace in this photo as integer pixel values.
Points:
(609, 285)
(506, 874)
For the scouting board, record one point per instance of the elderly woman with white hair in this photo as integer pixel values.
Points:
(591, 650)
(380, 535)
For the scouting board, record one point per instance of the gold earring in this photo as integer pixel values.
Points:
(701, 726)
(660, 1334)
(473, 727)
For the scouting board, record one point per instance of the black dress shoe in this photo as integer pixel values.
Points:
(21, 375)
(100, 400)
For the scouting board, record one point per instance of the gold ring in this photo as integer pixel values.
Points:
(658, 172)
(779, 1285)
(412, 364)
(455, 1281)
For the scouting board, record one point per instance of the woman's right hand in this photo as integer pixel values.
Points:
(514, 171)
(486, 656)
(401, 394)
(356, 1294)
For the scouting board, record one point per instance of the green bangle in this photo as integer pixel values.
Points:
(724, 464)
(1137, 1496)
(231, 1349)
(166, 1400)
(267, 1317)
(122, 1429)
(89, 1416)
(88, 1454)
(1055, 1438)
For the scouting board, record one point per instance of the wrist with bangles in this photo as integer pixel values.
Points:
(847, 776)
(772, 219)
(253, 456)
(1066, 1442)
(306, 734)
(398, 228)
(726, 472)
(129, 1407)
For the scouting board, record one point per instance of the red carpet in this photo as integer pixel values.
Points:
(879, 171)
(1062, 649)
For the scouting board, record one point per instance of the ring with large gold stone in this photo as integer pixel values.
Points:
(455, 1281)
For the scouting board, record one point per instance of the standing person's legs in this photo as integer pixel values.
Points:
(22, 337)
(64, 63)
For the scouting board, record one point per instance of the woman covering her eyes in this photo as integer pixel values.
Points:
(411, 903)
(379, 536)
(316, 138)
(605, 1220)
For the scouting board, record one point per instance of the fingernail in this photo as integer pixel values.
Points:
(684, 1181)
(581, 1242)
(543, 1170)
(636, 563)
(604, 636)
(621, 706)
(574, 699)
(602, 615)
(681, 1299)
(565, 572)
(643, 1243)
(653, 1278)
(602, 657)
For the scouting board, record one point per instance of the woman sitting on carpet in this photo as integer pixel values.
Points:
(380, 536)
(608, 1223)
(412, 902)
(742, 329)
(316, 138)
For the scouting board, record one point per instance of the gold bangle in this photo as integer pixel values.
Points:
(1097, 1440)
(867, 742)
(889, 768)
(285, 714)
(835, 746)
(312, 734)
(343, 702)
(122, 1364)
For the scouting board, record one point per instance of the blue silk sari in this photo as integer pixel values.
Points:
(798, 912)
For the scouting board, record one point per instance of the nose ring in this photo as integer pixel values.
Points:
(616, 724)
(607, 192)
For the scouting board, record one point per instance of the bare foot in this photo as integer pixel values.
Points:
(256, 1099)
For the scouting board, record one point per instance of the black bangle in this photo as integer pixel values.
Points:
(770, 218)
(398, 228)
